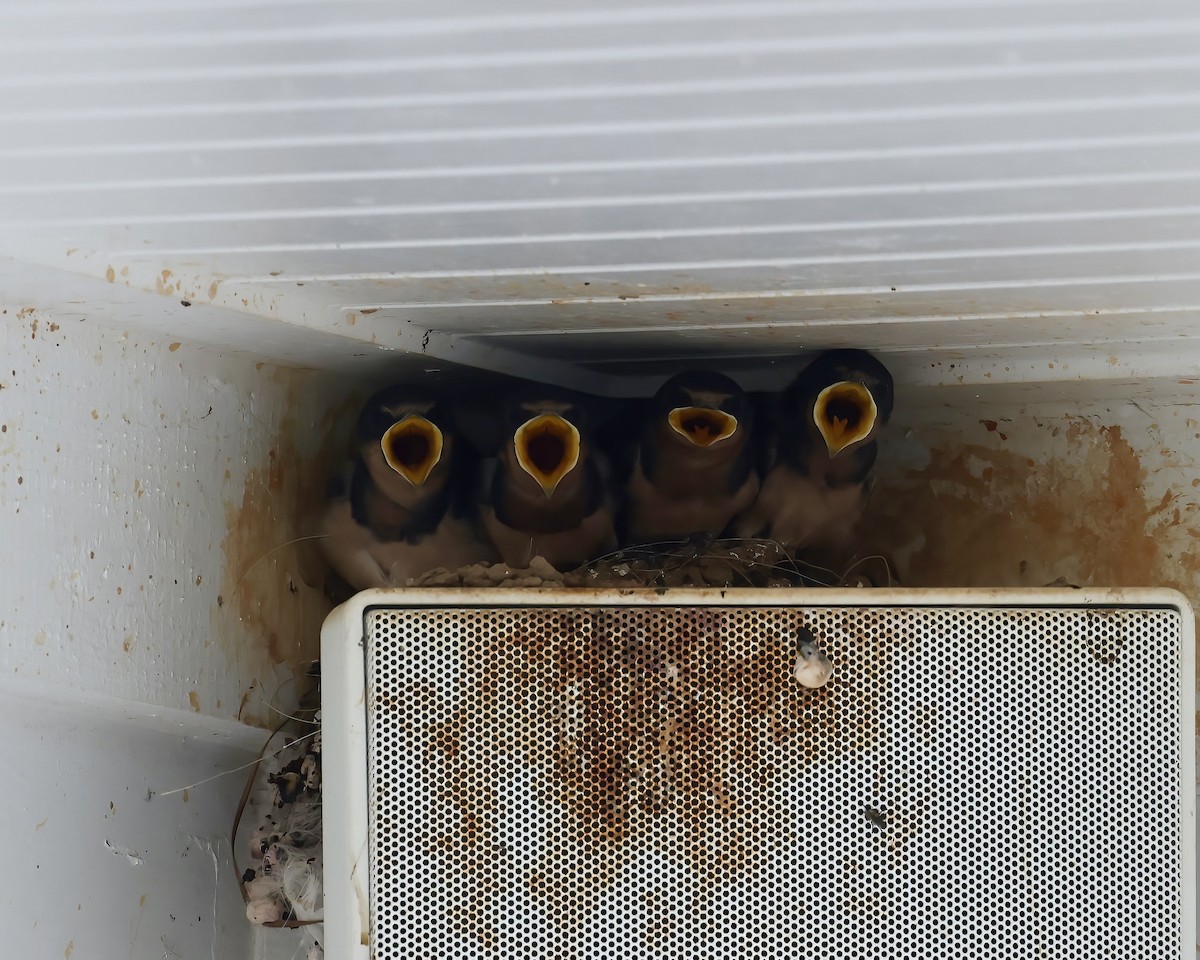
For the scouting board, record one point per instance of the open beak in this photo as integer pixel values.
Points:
(845, 413)
(547, 449)
(412, 447)
(702, 426)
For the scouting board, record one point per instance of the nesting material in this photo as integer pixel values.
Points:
(701, 562)
(539, 573)
(283, 887)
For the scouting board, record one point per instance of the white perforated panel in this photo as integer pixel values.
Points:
(641, 781)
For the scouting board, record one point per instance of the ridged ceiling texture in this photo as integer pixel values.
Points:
(623, 185)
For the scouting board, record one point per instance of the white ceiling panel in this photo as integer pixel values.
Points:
(623, 185)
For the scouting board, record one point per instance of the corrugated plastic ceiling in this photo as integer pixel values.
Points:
(620, 184)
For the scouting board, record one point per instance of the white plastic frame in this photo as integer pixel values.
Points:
(344, 718)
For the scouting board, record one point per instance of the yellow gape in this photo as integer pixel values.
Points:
(412, 447)
(844, 412)
(701, 425)
(547, 449)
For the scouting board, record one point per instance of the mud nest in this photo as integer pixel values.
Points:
(697, 562)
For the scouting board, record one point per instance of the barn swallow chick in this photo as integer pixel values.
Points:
(548, 493)
(401, 506)
(689, 466)
(813, 669)
(824, 445)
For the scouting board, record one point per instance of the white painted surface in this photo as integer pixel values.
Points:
(148, 491)
(345, 788)
(125, 463)
(92, 867)
(704, 180)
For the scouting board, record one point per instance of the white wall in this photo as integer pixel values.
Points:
(93, 868)
(143, 481)
(140, 480)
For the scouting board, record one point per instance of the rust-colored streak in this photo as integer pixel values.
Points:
(997, 518)
(635, 726)
(242, 704)
(271, 603)
(978, 516)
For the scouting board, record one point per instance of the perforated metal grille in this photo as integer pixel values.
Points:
(611, 782)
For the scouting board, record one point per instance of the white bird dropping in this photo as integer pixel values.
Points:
(266, 911)
(813, 669)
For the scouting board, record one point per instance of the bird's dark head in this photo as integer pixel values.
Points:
(409, 429)
(703, 407)
(848, 394)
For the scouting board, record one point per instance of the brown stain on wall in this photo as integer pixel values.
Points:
(1000, 518)
(272, 601)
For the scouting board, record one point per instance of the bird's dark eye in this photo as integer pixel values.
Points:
(546, 451)
(410, 449)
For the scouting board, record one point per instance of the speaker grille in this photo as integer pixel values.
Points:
(651, 781)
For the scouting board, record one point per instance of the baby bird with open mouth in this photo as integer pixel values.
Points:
(823, 448)
(687, 460)
(401, 505)
(546, 493)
